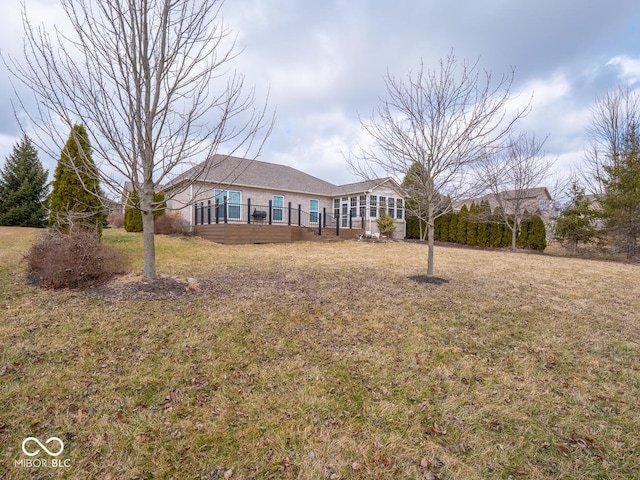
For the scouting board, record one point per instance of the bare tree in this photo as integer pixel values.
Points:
(444, 120)
(612, 165)
(150, 80)
(612, 116)
(509, 177)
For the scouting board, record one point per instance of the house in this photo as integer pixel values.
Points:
(238, 200)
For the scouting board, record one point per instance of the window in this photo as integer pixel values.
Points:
(392, 207)
(314, 207)
(383, 204)
(336, 208)
(233, 205)
(363, 206)
(400, 211)
(234, 200)
(278, 208)
(542, 204)
(373, 206)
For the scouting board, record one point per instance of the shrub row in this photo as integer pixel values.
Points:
(465, 228)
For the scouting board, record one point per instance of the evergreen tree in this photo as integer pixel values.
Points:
(536, 234)
(75, 200)
(497, 228)
(386, 224)
(132, 214)
(484, 225)
(414, 225)
(472, 225)
(453, 227)
(576, 221)
(437, 226)
(463, 220)
(444, 227)
(23, 187)
(522, 241)
(507, 233)
(496, 235)
(621, 202)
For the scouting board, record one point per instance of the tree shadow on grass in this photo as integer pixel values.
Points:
(430, 280)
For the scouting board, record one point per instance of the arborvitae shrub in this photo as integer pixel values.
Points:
(445, 221)
(523, 234)
(461, 236)
(133, 216)
(75, 201)
(413, 227)
(73, 261)
(496, 232)
(472, 226)
(537, 235)
(453, 227)
(506, 235)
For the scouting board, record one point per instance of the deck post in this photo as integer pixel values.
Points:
(338, 218)
(217, 210)
(202, 213)
(289, 221)
(299, 215)
(226, 219)
(324, 216)
(208, 212)
(248, 211)
(195, 214)
(270, 209)
(320, 224)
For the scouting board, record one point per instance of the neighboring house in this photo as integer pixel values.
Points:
(112, 206)
(250, 193)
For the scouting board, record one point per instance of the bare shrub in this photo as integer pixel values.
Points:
(171, 223)
(116, 220)
(73, 261)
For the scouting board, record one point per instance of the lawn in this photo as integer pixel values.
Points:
(325, 361)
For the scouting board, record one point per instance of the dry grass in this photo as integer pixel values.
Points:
(327, 361)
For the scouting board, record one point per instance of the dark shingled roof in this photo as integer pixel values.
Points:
(242, 172)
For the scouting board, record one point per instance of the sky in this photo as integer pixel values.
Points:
(322, 64)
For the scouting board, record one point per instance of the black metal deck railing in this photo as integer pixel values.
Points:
(211, 212)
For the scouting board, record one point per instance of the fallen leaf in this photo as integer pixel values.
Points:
(435, 429)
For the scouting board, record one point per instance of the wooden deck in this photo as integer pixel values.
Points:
(237, 234)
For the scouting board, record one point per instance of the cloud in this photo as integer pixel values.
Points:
(323, 62)
(629, 68)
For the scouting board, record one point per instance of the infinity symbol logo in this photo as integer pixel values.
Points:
(33, 439)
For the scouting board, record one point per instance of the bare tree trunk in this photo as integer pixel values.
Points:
(430, 233)
(148, 238)
(148, 231)
(514, 235)
(431, 251)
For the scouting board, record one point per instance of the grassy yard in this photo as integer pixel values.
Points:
(326, 361)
